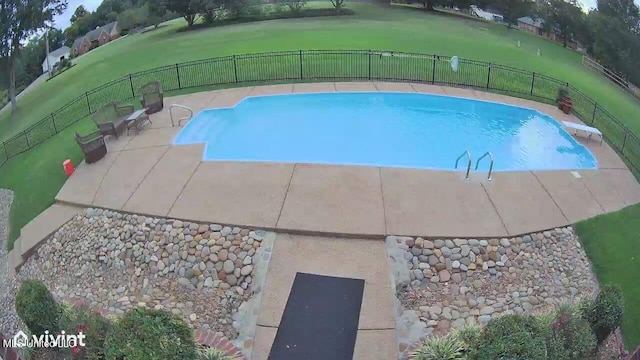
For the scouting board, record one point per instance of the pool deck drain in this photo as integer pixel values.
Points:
(146, 174)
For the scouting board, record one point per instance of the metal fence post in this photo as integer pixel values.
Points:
(27, 139)
(131, 83)
(489, 75)
(235, 68)
(369, 64)
(301, 66)
(533, 80)
(624, 141)
(433, 71)
(86, 95)
(53, 120)
(178, 75)
(6, 154)
(593, 117)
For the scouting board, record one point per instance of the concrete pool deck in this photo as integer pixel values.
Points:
(145, 174)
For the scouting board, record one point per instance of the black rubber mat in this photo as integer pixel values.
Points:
(320, 321)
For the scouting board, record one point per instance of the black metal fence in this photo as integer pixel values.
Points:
(330, 65)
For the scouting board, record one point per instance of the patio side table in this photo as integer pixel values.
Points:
(137, 119)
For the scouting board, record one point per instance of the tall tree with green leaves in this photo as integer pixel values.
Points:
(157, 10)
(80, 12)
(625, 11)
(338, 4)
(188, 9)
(19, 20)
(512, 10)
(562, 17)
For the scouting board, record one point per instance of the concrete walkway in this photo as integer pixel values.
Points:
(37, 230)
(352, 258)
(146, 174)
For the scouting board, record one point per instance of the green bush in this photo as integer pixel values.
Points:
(439, 348)
(604, 314)
(213, 354)
(37, 308)
(569, 336)
(93, 325)
(146, 334)
(513, 337)
(471, 337)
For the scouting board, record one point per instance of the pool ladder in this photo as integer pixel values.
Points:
(468, 155)
(181, 119)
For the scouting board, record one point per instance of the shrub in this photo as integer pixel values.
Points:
(604, 314)
(295, 6)
(255, 12)
(562, 93)
(147, 334)
(439, 348)
(213, 354)
(93, 325)
(513, 337)
(569, 336)
(471, 337)
(37, 308)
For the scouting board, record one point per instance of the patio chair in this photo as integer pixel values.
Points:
(92, 145)
(151, 97)
(112, 118)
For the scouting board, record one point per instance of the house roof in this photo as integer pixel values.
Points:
(93, 34)
(59, 52)
(77, 42)
(533, 22)
(109, 27)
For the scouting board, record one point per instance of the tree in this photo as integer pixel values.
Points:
(624, 10)
(20, 19)
(157, 10)
(562, 17)
(132, 18)
(79, 13)
(338, 4)
(188, 9)
(513, 9)
(211, 10)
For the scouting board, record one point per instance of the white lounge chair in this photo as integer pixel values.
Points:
(584, 128)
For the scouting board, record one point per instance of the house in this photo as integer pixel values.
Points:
(94, 38)
(536, 26)
(55, 57)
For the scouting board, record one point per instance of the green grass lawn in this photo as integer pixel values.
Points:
(396, 28)
(612, 242)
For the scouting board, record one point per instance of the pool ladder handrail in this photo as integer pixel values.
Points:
(181, 119)
(468, 154)
(490, 165)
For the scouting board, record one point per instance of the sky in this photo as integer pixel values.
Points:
(63, 21)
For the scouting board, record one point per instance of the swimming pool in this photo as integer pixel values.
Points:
(384, 129)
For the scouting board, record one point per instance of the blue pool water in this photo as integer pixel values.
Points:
(384, 129)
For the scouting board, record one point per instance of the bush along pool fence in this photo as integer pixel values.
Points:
(331, 65)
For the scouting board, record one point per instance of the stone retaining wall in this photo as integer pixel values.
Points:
(112, 262)
(452, 282)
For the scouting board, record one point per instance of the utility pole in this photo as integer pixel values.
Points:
(46, 39)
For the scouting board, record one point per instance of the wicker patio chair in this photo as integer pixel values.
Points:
(151, 97)
(92, 145)
(112, 118)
